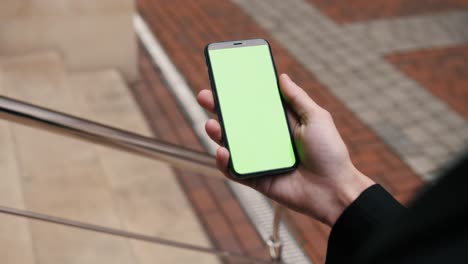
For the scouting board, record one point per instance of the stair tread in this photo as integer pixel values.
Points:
(85, 33)
(77, 180)
(45, 71)
(59, 175)
(68, 7)
(15, 238)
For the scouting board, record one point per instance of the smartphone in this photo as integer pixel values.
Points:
(250, 108)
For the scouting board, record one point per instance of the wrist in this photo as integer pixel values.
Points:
(346, 193)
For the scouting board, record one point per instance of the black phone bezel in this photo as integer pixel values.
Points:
(225, 141)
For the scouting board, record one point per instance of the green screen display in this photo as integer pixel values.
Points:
(253, 116)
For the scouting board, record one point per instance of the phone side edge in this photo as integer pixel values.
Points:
(217, 106)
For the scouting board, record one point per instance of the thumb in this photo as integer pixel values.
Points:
(296, 97)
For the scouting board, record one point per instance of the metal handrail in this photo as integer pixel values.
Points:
(72, 126)
(131, 235)
(274, 243)
(76, 127)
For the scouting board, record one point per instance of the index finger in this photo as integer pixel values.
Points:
(206, 100)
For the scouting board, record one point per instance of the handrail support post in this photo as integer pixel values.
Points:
(274, 243)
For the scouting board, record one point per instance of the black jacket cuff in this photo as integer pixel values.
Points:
(358, 221)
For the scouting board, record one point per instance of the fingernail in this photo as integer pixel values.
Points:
(289, 78)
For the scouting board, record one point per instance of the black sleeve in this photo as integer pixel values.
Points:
(358, 222)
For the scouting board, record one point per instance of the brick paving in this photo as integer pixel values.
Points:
(398, 109)
(185, 27)
(413, 32)
(347, 11)
(443, 71)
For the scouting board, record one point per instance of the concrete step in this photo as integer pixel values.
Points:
(9, 9)
(148, 197)
(15, 238)
(60, 176)
(72, 179)
(23, 8)
(89, 34)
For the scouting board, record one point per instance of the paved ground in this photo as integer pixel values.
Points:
(396, 108)
(443, 71)
(393, 76)
(348, 11)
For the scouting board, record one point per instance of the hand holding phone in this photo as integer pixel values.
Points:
(250, 108)
(325, 181)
